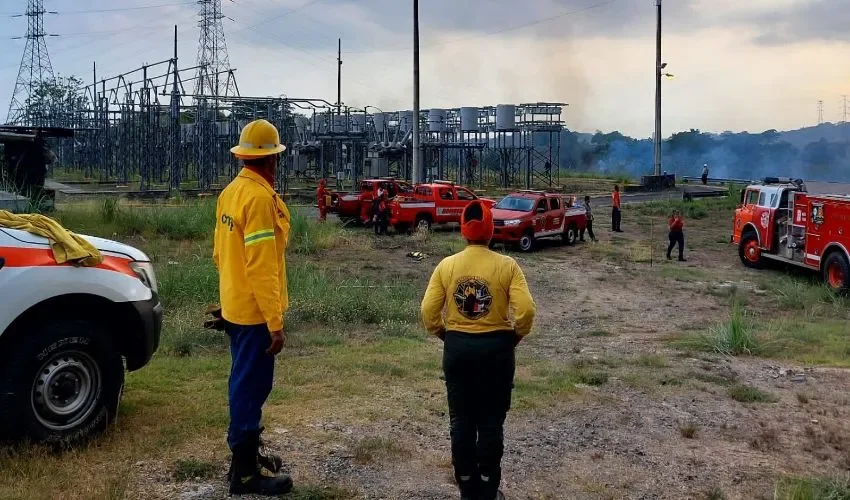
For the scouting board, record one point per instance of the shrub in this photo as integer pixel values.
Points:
(837, 488)
(746, 394)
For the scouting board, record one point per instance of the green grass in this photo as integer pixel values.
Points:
(322, 296)
(747, 394)
(700, 208)
(376, 449)
(808, 296)
(736, 336)
(308, 237)
(651, 361)
(191, 220)
(821, 342)
(189, 469)
(836, 488)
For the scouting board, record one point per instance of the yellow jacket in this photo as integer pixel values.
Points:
(66, 246)
(475, 291)
(251, 235)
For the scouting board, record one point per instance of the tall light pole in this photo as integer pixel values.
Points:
(417, 167)
(658, 68)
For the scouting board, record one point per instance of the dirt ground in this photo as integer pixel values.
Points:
(662, 426)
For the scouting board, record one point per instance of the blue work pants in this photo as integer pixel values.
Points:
(251, 376)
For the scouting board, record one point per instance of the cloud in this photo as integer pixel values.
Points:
(824, 20)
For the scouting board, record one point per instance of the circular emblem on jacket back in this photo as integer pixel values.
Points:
(472, 298)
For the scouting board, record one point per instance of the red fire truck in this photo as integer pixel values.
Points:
(358, 205)
(525, 217)
(440, 202)
(779, 220)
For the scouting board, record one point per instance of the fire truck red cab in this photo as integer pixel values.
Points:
(441, 202)
(779, 220)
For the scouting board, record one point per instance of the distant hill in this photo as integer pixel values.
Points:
(832, 132)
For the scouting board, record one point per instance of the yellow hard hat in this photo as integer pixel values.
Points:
(259, 138)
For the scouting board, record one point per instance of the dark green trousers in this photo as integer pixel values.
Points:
(479, 371)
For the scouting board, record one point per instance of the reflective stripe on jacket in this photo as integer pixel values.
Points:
(251, 235)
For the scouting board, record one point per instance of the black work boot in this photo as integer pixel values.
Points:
(489, 486)
(267, 460)
(468, 486)
(248, 477)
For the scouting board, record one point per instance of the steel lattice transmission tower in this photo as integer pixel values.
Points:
(35, 68)
(212, 78)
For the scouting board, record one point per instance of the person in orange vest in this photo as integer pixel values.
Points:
(321, 199)
(478, 303)
(251, 236)
(676, 223)
(616, 215)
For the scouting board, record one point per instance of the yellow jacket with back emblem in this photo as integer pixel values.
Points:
(478, 291)
(251, 235)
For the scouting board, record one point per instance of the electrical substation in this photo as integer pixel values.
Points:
(168, 126)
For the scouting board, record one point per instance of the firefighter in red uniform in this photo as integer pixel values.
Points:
(676, 223)
(382, 215)
(616, 215)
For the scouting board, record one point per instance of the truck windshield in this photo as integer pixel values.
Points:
(517, 204)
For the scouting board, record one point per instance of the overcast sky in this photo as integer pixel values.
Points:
(738, 64)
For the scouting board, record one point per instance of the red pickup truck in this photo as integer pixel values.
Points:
(439, 203)
(524, 217)
(358, 205)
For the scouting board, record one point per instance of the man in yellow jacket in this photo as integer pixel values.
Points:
(251, 235)
(479, 304)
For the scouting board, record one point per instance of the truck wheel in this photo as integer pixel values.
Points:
(836, 273)
(571, 234)
(527, 242)
(423, 223)
(749, 251)
(62, 385)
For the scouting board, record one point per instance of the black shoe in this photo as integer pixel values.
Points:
(682, 259)
(468, 488)
(249, 477)
(267, 460)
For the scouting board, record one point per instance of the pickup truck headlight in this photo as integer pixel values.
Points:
(146, 274)
(514, 222)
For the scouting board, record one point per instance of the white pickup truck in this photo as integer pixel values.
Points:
(66, 333)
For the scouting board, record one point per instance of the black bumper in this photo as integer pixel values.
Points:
(150, 314)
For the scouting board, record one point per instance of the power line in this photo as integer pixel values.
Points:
(515, 27)
(281, 16)
(117, 9)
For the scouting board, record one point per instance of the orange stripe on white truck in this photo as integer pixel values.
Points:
(40, 257)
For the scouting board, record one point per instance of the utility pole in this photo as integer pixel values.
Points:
(820, 112)
(339, 78)
(417, 166)
(658, 93)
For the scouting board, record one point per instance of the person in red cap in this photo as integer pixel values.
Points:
(321, 199)
(479, 304)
